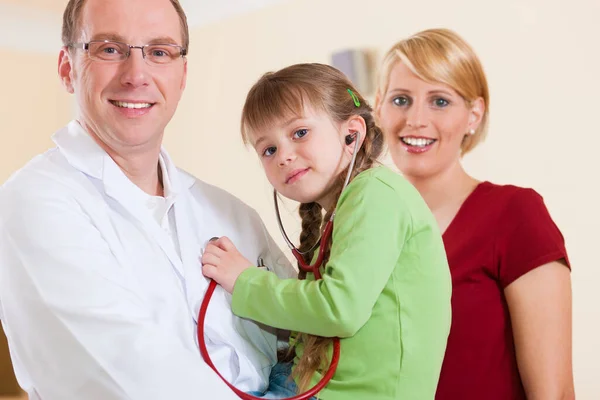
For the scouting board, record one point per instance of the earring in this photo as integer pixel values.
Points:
(472, 132)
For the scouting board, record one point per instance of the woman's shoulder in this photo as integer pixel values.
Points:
(525, 234)
(504, 208)
(508, 198)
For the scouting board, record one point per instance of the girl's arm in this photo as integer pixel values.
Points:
(370, 228)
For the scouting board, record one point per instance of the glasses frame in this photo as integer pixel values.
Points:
(86, 48)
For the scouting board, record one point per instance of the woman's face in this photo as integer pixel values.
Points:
(424, 123)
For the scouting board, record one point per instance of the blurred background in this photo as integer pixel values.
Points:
(541, 58)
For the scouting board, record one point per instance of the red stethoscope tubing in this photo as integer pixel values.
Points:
(242, 395)
(336, 341)
(322, 248)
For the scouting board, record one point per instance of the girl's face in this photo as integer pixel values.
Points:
(302, 157)
(424, 123)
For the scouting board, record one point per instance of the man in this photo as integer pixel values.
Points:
(100, 238)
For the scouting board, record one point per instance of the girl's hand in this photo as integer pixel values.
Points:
(223, 262)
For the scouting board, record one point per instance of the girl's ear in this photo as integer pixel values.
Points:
(354, 128)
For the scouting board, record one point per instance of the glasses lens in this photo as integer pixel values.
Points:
(108, 51)
(162, 53)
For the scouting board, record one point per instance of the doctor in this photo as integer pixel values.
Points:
(100, 237)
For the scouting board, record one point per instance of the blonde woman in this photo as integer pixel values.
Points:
(511, 305)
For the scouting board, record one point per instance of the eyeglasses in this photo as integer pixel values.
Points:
(109, 51)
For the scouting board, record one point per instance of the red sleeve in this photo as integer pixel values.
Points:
(528, 237)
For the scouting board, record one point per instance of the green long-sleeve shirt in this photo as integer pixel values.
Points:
(385, 291)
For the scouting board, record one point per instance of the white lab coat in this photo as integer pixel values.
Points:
(96, 301)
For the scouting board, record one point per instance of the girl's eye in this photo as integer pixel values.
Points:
(300, 133)
(269, 151)
(400, 101)
(441, 102)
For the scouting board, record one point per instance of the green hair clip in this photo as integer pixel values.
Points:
(355, 98)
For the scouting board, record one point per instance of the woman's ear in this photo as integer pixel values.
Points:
(476, 114)
(377, 108)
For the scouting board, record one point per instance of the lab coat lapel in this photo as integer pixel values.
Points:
(195, 229)
(191, 227)
(190, 243)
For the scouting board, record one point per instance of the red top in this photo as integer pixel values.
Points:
(499, 234)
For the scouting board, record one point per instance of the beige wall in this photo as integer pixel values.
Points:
(32, 106)
(542, 61)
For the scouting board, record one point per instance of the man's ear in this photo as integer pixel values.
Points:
(65, 69)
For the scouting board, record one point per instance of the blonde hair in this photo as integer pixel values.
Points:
(280, 95)
(442, 56)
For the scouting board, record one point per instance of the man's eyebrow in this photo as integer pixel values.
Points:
(108, 36)
(118, 38)
(163, 40)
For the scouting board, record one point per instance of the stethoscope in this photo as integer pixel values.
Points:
(314, 268)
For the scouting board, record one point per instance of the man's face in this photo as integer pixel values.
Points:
(125, 105)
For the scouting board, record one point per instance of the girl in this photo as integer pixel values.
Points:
(385, 287)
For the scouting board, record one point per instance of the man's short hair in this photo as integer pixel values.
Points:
(72, 15)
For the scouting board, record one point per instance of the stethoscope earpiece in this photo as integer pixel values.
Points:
(350, 138)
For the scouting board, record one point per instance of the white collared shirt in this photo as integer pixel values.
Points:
(99, 296)
(161, 207)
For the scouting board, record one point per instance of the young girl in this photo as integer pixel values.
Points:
(385, 287)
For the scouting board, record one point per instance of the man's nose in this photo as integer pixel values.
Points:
(135, 69)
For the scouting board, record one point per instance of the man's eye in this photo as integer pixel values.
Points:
(160, 52)
(109, 50)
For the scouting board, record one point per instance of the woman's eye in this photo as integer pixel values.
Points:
(269, 151)
(300, 133)
(441, 102)
(400, 101)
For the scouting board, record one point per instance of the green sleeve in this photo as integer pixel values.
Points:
(370, 228)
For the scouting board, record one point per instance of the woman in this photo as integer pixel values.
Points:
(511, 327)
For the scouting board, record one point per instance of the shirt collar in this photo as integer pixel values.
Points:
(84, 154)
